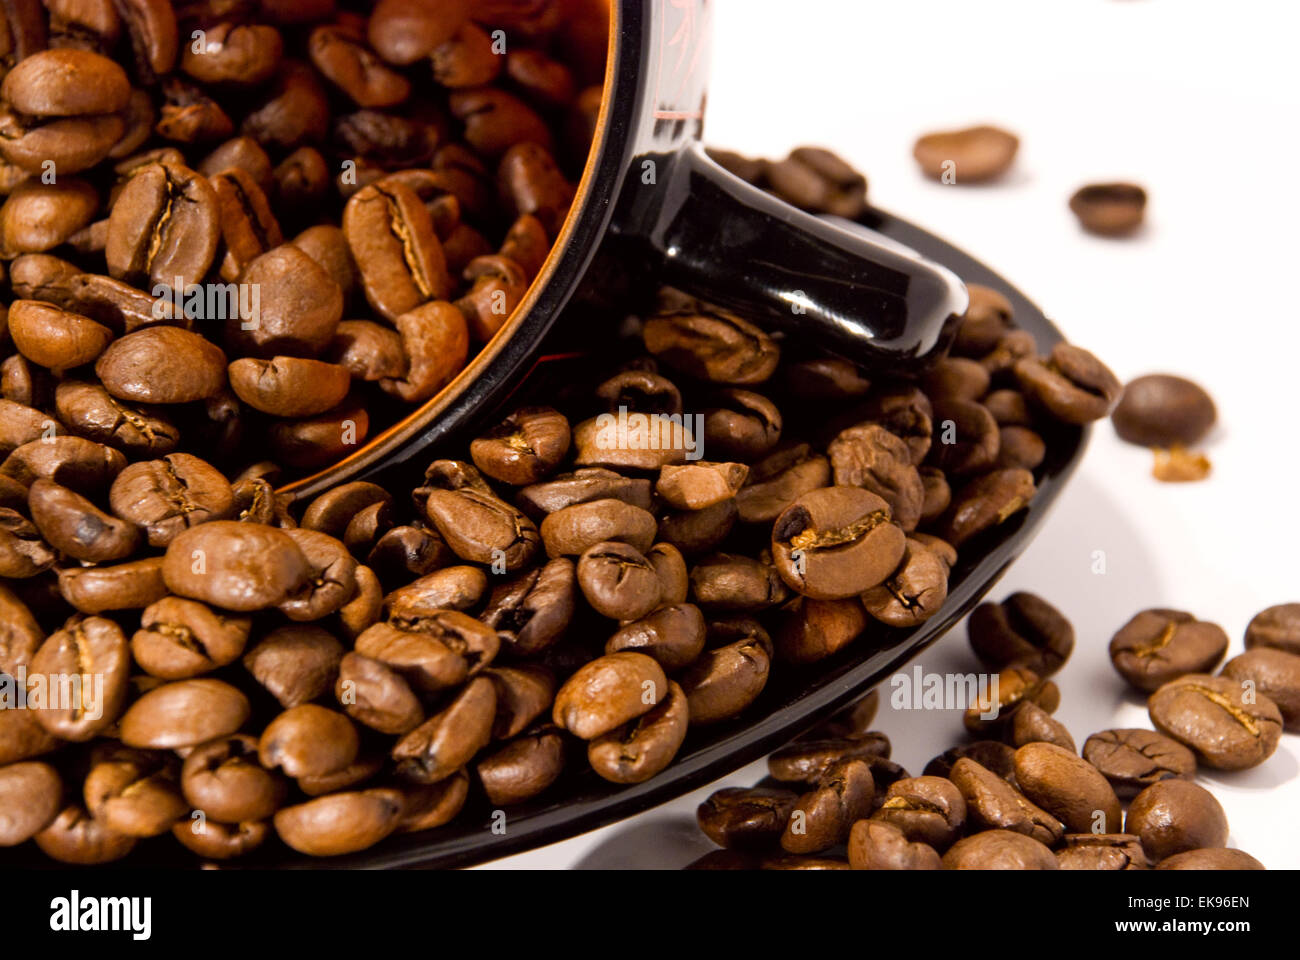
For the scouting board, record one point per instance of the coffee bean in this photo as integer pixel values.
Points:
(608, 692)
(433, 804)
(745, 818)
(29, 800)
(1212, 859)
(73, 525)
(711, 344)
(1275, 674)
(879, 845)
(871, 457)
(643, 747)
(181, 638)
(1109, 209)
(1132, 760)
(913, 592)
(162, 365)
(818, 180)
(673, 635)
(423, 661)
(20, 635)
(523, 768)
(726, 582)
(1032, 724)
(1157, 646)
(823, 816)
(1174, 816)
(986, 502)
(234, 565)
(331, 577)
(84, 668)
(224, 779)
(92, 412)
(183, 714)
(76, 837)
(445, 742)
(804, 761)
(296, 663)
(994, 804)
(1068, 787)
(1023, 630)
(1103, 851)
(483, 529)
(994, 709)
(810, 630)
(741, 424)
(135, 793)
(308, 741)
(56, 338)
(928, 810)
(456, 588)
(340, 822)
(724, 681)
(533, 610)
(971, 155)
(1277, 627)
(1161, 410)
(170, 495)
(844, 540)
(1213, 716)
(988, 316)
(220, 841)
(999, 850)
(1072, 384)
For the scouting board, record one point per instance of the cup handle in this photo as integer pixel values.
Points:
(855, 293)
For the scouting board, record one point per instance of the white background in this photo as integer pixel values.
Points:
(1196, 100)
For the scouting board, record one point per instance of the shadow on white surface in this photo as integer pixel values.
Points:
(648, 843)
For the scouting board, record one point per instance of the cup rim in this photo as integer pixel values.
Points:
(564, 265)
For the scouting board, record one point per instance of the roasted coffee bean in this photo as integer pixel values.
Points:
(20, 634)
(476, 643)
(633, 442)
(1161, 410)
(135, 793)
(825, 378)
(1008, 408)
(725, 680)
(181, 638)
(164, 227)
(1275, 674)
(1213, 716)
(1019, 447)
(23, 553)
(999, 850)
(123, 586)
(92, 412)
(778, 480)
(168, 496)
(1133, 760)
(992, 755)
(184, 714)
(22, 737)
(1277, 627)
(986, 502)
(78, 678)
(836, 542)
(448, 740)
(742, 425)
(308, 741)
(1024, 630)
(396, 250)
(1032, 724)
(928, 810)
(698, 531)
(912, 593)
(73, 525)
(804, 761)
(670, 568)
(1072, 384)
(162, 365)
(734, 583)
(823, 816)
(289, 386)
(296, 663)
(871, 457)
(338, 51)
(699, 485)
(78, 838)
(643, 747)
(373, 694)
(582, 486)
(340, 822)
(433, 804)
(422, 660)
(1102, 851)
(234, 565)
(987, 318)
(711, 344)
(1109, 209)
(742, 818)
(73, 462)
(994, 708)
(573, 530)
(640, 391)
(29, 800)
(1068, 787)
(525, 447)
(968, 437)
(1174, 816)
(1014, 346)
(224, 779)
(810, 630)
(608, 692)
(1212, 859)
(818, 180)
(331, 581)
(994, 804)
(532, 611)
(56, 338)
(523, 693)
(1159, 645)
(972, 155)
(298, 309)
(524, 767)
(480, 528)
(878, 845)
(673, 635)
(956, 378)
(455, 588)
(220, 841)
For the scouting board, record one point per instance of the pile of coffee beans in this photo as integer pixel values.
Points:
(238, 226)
(600, 574)
(1019, 795)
